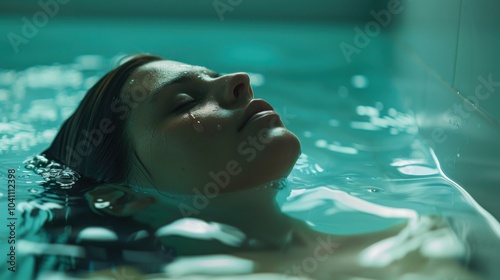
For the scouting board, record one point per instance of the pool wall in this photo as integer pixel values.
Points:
(34, 32)
(447, 65)
(278, 10)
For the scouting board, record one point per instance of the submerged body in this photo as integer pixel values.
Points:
(271, 245)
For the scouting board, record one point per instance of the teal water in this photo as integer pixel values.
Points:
(357, 138)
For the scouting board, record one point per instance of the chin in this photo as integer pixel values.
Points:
(273, 162)
(284, 144)
(285, 151)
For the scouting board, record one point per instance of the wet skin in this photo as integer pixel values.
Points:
(186, 133)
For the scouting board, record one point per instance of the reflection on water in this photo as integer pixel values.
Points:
(209, 265)
(359, 81)
(363, 168)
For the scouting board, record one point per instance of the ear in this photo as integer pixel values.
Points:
(117, 200)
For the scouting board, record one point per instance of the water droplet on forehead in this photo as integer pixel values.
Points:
(132, 81)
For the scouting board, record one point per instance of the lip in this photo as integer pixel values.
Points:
(260, 115)
(256, 109)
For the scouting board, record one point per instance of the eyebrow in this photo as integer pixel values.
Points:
(179, 79)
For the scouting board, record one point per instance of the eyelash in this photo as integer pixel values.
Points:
(181, 108)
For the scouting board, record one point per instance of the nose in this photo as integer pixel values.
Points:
(235, 89)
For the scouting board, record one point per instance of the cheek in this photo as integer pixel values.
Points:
(211, 119)
(193, 140)
(176, 140)
(171, 135)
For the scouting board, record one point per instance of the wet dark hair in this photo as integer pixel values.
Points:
(93, 140)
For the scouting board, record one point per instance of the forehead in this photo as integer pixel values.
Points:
(166, 69)
(151, 75)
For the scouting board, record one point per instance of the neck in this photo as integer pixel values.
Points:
(254, 211)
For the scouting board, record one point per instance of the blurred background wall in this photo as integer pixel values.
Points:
(70, 24)
(447, 64)
(315, 10)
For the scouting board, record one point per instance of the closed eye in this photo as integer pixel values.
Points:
(184, 106)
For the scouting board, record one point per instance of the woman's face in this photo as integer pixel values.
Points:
(191, 131)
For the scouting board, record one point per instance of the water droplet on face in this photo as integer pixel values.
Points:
(197, 124)
(219, 127)
(198, 127)
(132, 81)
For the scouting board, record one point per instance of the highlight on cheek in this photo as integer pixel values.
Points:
(196, 123)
